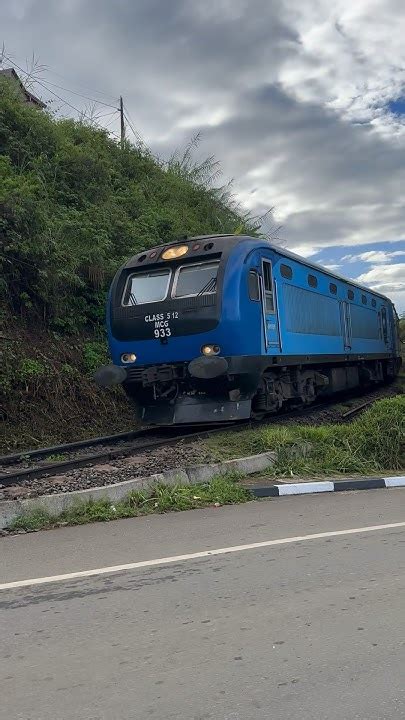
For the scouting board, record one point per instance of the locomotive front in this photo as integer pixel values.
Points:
(173, 323)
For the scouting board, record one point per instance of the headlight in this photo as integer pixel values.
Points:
(210, 350)
(128, 357)
(175, 252)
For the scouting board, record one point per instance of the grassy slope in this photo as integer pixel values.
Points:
(73, 207)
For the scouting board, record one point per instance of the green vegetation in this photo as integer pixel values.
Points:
(47, 392)
(373, 442)
(160, 499)
(74, 206)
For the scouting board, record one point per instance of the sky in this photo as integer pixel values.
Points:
(301, 101)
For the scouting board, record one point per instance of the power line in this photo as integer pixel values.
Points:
(42, 85)
(99, 102)
(137, 135)
(124, 113)
(93, 90)
(64, 77)
(111, 121)
(114, 112)
(39, 82)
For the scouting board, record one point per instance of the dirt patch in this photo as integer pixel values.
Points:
(47, 392)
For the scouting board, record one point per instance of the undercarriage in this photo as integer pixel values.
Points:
(181, 393)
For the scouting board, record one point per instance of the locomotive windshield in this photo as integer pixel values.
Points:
(192, 280)
(146, 287)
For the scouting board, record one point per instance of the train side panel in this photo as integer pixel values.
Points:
(321, 315)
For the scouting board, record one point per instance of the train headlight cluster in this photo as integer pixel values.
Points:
(208, 350)
(128, 357)
(175, 252)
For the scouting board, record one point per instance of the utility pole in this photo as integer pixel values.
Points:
(121, 110)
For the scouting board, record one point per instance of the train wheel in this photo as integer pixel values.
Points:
(259, 403)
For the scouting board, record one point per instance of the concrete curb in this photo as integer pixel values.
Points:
(56, 503)
(306, 488)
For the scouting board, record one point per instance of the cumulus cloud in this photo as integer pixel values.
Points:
(385, 278)
(374, 256)
(293, 98)
(351, 55)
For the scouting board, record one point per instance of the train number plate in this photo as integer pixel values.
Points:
(160, 323)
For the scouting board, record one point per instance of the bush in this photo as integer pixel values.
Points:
(94, 355)
(74, 206)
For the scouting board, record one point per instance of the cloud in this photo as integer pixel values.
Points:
(385, 278)
(293, 98)
(374, 256)
(389, 280)
(332, 267)
(351, 56)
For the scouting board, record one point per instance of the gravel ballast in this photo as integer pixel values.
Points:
(171, 457)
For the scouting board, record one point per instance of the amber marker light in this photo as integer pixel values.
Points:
(175, 252)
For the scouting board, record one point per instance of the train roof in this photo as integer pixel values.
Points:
(232, 240)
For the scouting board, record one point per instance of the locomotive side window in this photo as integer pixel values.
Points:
(350, 294)
(193, 280)
(268, 287)
(253, 284)
(312, 281)
(364, 300)
(146, 287)
(286, 271)
(373, 302)
(333, 288)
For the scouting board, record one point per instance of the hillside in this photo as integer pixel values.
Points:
(74, 205)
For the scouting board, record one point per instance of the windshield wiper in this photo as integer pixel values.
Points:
(209, 287)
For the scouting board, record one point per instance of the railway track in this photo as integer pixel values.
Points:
(143, 440)
(131, 443)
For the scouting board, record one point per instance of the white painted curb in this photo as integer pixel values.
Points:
(305, 488)
(58, 502)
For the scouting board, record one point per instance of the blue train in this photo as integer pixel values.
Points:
(226, 327)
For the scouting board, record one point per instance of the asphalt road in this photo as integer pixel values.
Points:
(312, 629)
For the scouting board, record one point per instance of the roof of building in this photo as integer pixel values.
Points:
(29, 96)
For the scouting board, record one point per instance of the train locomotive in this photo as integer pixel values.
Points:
(228, 327)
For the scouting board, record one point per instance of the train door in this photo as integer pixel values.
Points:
(347, 325)
(384, 325)
(269, 308)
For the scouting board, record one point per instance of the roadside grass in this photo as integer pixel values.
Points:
(160, 499)
(373, 442)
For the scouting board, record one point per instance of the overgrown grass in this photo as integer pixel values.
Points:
(373, 442)
(161, 499)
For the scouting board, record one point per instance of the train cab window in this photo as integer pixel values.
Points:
(253, 284)
(312, 281)
(364, 300)
(373, 302)
(350, 294)
(333, 288)
(268, 287)
(193, 280)
(146, 287)
(286, 271)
